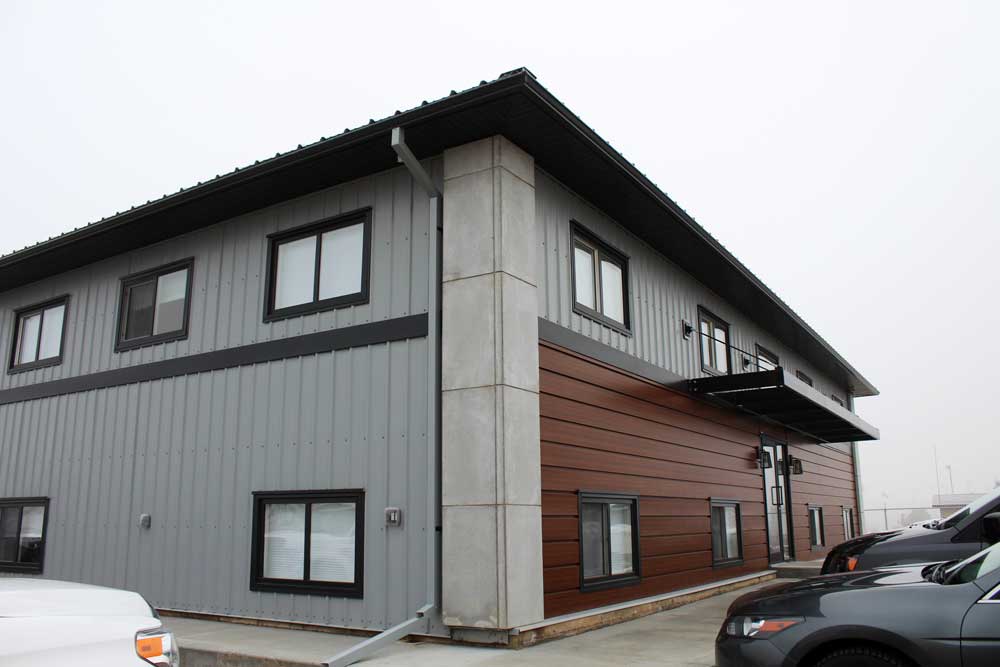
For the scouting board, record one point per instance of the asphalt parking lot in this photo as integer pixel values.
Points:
(678, 637)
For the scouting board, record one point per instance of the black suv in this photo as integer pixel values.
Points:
(967, 531)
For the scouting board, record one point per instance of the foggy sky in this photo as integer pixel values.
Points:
(846, 152)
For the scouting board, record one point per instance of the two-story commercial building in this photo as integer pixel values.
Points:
(488, 386)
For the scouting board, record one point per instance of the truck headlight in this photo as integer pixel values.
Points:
(753, 627)
(157, 647)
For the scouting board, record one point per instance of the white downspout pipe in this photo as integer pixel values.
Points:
(421, 618)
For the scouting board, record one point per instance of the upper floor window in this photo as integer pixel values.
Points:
(805, 378)
(22, 534)
(609, 539)
(766, 360)
(714, 343)
(320, 266)
(155, 306)
(600, 280)
(38, 335)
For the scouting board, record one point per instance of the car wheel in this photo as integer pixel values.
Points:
(861, 656)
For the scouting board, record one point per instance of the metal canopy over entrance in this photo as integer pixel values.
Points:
(788, 401)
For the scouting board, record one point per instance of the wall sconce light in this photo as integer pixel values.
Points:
(746, 361)
(687, 329)
(764, 458)
(795, 465)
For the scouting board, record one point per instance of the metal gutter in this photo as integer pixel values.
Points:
(421, 618)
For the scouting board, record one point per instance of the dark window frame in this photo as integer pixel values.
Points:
(25, 311)
(604, 251)
(764, 353)
(804, 378)
(28, 568)
(611, 580)
(706, 314)
(811, 510)
(129, 281)
(317, 229)
(847, 514)
(726, 502)
(306, 587)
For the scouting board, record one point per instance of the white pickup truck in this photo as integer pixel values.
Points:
(45, 623)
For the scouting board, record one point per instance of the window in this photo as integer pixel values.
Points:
(727, 533)
(38, 335)
(609, 540)
(766, 360)
(308, 542)
(22, 534)
(816, 536)
(805, 378)
(155, 306)
(600, 281)
(848, 522)
(714, 343)
(321, 266)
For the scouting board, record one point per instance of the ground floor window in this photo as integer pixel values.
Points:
(848, 522)
(22, 534)
(727, 533)
(816, 537)
(609, 539)
(308, 542)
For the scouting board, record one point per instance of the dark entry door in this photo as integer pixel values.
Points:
(777, 499)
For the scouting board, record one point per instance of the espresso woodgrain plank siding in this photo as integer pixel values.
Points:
(606, 430)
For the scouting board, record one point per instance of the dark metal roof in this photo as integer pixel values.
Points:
(786, 400)
(514, 105)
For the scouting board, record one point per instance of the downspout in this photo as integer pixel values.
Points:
(421, 618)
(857, 473)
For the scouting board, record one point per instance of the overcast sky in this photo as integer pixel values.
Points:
(848, 152)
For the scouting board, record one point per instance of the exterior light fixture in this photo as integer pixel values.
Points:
(795, 464)
(764, 458)
(687, 328)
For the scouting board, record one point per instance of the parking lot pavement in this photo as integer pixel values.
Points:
(684, 636)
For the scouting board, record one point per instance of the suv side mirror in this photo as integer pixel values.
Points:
(991, 527)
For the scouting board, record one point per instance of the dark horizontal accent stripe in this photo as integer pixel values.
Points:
(400, 328)
(571, 340)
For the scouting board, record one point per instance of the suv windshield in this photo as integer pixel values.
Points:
(971, 508)
(974, 567)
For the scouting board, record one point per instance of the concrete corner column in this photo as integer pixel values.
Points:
(491, 468)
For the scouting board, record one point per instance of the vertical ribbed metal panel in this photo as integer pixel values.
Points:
(190, 450)
(661, 293)
(228, 280)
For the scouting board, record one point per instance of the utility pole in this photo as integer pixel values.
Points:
(937, 472)
(951, 479)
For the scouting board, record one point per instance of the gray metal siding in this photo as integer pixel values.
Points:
(661, 294)
(228, 280)
(190, 451)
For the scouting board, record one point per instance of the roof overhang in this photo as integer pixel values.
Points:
(514, 105)
(788, 401)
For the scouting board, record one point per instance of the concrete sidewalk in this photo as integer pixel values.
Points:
(683, 636)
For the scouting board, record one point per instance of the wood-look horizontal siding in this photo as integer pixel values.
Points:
(604, 429)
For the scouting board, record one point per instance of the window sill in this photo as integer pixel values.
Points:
(609, 582)
(34, 365)
(21, 568)
(722, 564)
(357, 299)
(714, 371)
(148, 341)
(308, 588)
(603, 320)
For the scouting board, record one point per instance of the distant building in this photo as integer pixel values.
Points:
(949, 503)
